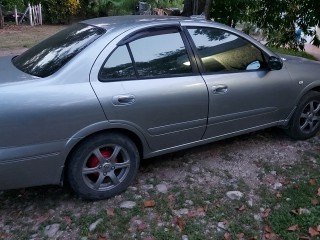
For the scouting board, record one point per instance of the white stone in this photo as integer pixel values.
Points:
(147, 187)
(277, 185)
(184, 237)
(162, 188)
(51, 230)
(195, 169)
(273, 173)
(304, 211)
(93, 226)
(257, 217)
(128, 204)
(235, 195)
(222, 226)
(189, 202)
(180, 212)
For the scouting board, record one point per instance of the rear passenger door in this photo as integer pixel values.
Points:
(148, 80)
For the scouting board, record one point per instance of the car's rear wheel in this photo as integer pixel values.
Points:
(305, 122)
(103, 166)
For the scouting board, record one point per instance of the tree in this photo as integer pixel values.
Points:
(279, 20)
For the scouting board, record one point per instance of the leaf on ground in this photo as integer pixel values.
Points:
(180, 222)
(279, 195)
(285, 182)
(240, 236)
(314, 201)
(199, 212)
(149, 238)
(304, 238)
(110, 212)
(227, 236)
(318, 228)
(313, 181)
(141, 226)
(318, 192)
(171, 200)
(67, 220)
(205, 208)
(313, 232)
(266, 213)
(102, 237)
(267, 228)
(149, 203)
(241, 209)
(293, 228)
(295, 212)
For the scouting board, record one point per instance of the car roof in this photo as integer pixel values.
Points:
(130, 21)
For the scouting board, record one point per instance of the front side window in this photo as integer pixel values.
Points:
(222, 51)
(51, 54)
(156, 55)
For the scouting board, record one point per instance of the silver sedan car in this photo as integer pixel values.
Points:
(85, 105)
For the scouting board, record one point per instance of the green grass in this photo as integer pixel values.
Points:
(297, 195)
(293, 52)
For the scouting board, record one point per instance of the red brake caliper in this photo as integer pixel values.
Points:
(93, 161)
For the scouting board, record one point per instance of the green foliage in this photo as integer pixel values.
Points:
(230, 12)
(57, 12)
(279, 19)
(10, 4)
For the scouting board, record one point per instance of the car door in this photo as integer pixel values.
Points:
(149, 82)
(243, 93)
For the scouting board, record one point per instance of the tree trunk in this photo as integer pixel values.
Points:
(1, 19)
(187, 8)
(207, 9)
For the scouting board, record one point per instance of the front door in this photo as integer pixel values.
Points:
(243, 93)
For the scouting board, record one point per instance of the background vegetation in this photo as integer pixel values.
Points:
(277, 19)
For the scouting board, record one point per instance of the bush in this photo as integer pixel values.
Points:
(57, 12)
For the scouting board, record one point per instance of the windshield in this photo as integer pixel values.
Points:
(50, 55)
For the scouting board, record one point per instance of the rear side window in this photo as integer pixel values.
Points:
(51, 54)
(221, 51)
(158, 55)
(119, 65)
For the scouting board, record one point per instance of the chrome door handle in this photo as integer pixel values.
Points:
(123, 99)
(219, 89)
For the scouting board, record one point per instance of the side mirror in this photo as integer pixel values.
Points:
(275, 63)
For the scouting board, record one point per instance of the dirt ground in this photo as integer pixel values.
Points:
(186, 190)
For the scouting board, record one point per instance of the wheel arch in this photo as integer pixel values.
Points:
(74, 143)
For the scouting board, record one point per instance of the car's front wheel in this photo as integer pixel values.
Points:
(103, 166)
(305, 122)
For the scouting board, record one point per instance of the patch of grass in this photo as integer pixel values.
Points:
(298, 210)
(293, 52)
(299, 202)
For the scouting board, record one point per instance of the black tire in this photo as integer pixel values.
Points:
(305, 122)
(103, 166)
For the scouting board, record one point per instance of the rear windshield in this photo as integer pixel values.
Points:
(50, 55)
